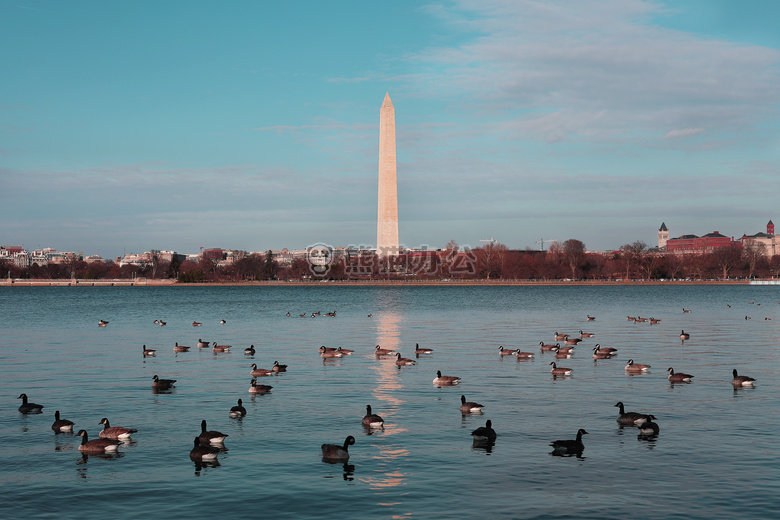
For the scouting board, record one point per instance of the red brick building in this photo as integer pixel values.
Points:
(705, 244)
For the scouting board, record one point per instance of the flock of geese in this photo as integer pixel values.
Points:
(208, 444)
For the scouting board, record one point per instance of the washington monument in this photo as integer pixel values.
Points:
(387, 209)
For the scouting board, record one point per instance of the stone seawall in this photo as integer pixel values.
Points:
(145, 282)
(19, 282)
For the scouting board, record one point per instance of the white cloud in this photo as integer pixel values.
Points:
(685, 132)
(599, 70)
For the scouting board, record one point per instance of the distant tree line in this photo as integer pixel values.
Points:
(567, 260)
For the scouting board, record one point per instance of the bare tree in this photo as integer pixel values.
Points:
(633, 254)
(490, 259)
(674, 264)
(573, 255)
(649, 264)
(753, 252)
(727, 257)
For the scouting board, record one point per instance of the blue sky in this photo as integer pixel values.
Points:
(130, 126)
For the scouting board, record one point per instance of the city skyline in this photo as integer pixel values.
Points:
(145, 126)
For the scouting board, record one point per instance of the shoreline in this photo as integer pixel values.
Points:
(144, 282)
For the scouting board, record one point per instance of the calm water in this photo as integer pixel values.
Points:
(717, 455)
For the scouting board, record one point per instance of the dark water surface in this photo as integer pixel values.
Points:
(717, 455)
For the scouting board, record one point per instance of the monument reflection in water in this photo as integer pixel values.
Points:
(388, 385)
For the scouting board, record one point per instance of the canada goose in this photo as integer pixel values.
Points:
(336, 452)
(445, 380)
(156, 322)
(586, 334)
(420, 350)
(678, 377)
(249, 351)
(686, 310)
(741, 380)
(485, 433)
(279, 368)
(162, 384)
(379, 351)
(149, 351)
(506, 352)
(654, 321)
(640, 320)
(96, 445)
(648, 428)
(372, 419)
(61, 425)
(601, 354)
(571, 341)
(562, 354)
(345, 351)
(163, 323)
(559, 371)
(684, 335)
(196, 324)
(331, 314)
(325, 353)
(560, 337)
(115, 432)
(260, 372)
(238, 410)
(180, 348)
(469, 407)
(102, 323)
(203, 344)
(201, 452)
(547, 347)
(222, 322)
(643, 419)
(210, 437)
(221, 348)
(565, 349)
(630, 318)
(571, 445)
(402, 361)
(524, 355)
(591, 318)
(288, 314)
(254, 388)
(636, 367)
(627, 418)
(26, 407)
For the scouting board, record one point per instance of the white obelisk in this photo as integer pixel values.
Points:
(387, 208)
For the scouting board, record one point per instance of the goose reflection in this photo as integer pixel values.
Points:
(63, 442)
(201, 464)
(577, 454)
(84, 457)
(348, 470)
(479, 446)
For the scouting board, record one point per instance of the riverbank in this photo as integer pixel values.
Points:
(146, 282)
